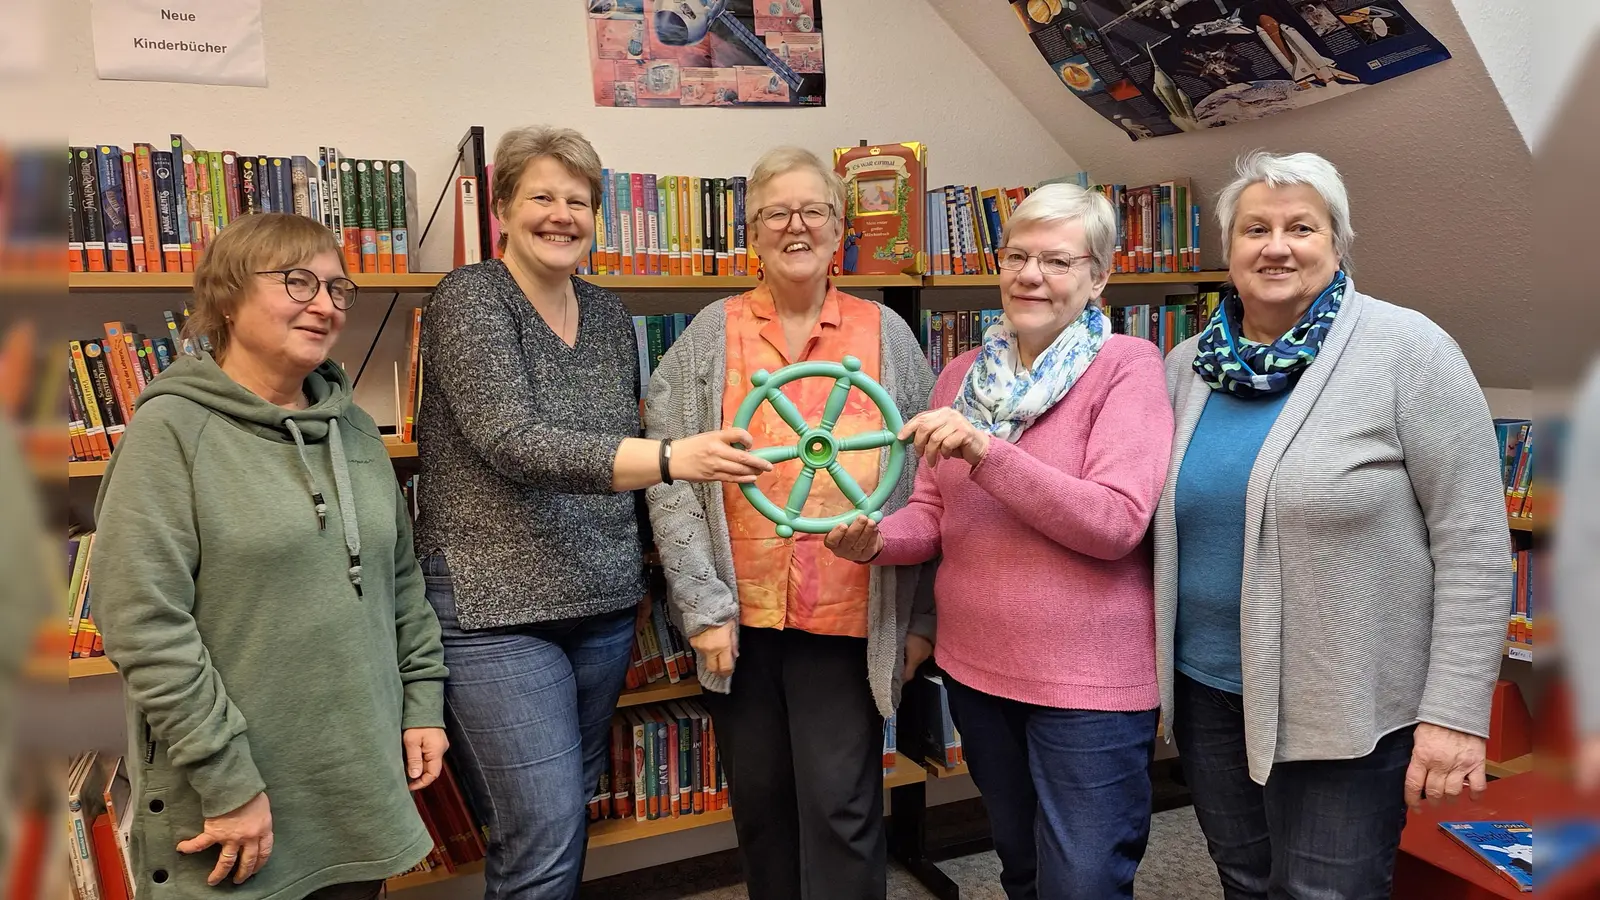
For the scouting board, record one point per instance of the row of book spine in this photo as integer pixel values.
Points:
(650, 224)
(105, 376)
(1157, 228)
(948, 334)
(1519, 630)
(1516, 464)
(155, 209)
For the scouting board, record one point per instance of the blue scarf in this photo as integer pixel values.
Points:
(1227, 361)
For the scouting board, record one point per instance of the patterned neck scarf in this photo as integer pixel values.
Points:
(1227, 361)
(1003, 398)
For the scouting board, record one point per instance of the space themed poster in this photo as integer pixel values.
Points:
(1159, 67)
(706, 52)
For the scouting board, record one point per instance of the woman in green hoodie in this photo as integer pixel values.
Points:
(257, 589)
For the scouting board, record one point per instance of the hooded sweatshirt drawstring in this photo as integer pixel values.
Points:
(341, 485)
(347, 505)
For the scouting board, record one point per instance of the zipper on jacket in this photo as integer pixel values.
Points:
(149, 746)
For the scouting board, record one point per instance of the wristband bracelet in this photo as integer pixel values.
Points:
(876, 555)
(666, 460)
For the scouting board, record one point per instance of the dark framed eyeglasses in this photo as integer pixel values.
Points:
(777, 218)
(302, 286)
(1051, 262)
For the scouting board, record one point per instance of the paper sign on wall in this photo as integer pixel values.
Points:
(191, 41)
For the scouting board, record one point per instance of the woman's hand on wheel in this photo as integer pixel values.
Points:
(719, 647)
(943, 434)
(859, 541)
(245, 836)
(713, 456)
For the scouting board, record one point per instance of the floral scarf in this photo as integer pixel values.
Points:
(1003, 398)
(1227, 361)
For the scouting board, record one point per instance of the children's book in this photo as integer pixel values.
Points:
(1507, 847)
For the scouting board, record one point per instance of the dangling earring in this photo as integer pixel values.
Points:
(761, 272)
(834, 270)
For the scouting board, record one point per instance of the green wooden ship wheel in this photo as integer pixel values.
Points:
(819, 448)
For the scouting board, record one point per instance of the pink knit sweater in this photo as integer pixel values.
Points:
(1045, 593)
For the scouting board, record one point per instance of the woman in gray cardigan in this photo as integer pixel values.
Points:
(1333, 573)
(801, 653)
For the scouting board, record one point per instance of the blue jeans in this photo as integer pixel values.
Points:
(529, 712)
(1318, 830)
(1067, 790)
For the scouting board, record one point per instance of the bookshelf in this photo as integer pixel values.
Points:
(422, 282)
(1210, 276)
(611, 832)
(96, 468)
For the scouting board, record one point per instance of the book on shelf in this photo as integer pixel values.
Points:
(1519, 630)
(885, 209)
(1516, 464)
(1506, 847)
(949, 333)
(156, 208)
(105, 375)
(1157, 226)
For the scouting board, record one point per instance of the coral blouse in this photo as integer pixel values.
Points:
(795, 582)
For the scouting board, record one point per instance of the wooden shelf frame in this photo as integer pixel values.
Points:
(97, 468)
(1510, 767)
(423, 282)
(611, 832)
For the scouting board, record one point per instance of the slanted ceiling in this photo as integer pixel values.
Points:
(1440, 179)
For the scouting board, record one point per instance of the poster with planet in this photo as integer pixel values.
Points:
(1163, 67)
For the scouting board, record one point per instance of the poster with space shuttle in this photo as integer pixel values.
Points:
(1160, 67)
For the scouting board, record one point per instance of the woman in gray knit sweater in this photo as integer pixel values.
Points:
(528, 531)
(1331, 562)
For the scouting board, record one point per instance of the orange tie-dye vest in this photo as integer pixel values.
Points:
(796, 582)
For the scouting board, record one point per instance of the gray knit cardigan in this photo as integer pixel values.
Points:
(1377, 562)
(691, 526)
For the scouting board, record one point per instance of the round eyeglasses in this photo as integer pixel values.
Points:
(814, 215)
(1051, 262)
(302, 286)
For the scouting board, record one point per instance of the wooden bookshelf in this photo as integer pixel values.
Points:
(422, 282)
(418, 879)
(611, 832)
(96, 468)
(1510, 767)
(660, 692)
(937, 770)
(1205, 277)
(1527, 524)
(112, 282)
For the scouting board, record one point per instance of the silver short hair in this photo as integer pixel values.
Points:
(1069, 203)
(783, 160)
(1273, 170)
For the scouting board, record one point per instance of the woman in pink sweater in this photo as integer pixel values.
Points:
(1046, 449)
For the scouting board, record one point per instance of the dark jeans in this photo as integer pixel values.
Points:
(802, 745)
(1318, 830)
(1067, 790)
(529, 716)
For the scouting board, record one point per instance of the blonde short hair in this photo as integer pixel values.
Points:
(519, 147)
(255, 243)
(1063, 202)
(781, 161)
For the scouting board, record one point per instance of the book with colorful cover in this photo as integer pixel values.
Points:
(883, 214)
(1506, 847)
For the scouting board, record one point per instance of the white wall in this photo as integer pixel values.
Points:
(1531, 49)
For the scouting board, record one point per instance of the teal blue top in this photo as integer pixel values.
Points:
(1209, 505)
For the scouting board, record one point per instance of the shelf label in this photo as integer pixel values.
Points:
(1525, 654)
(189, 41)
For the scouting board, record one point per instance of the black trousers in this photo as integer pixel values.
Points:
(802, 744)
